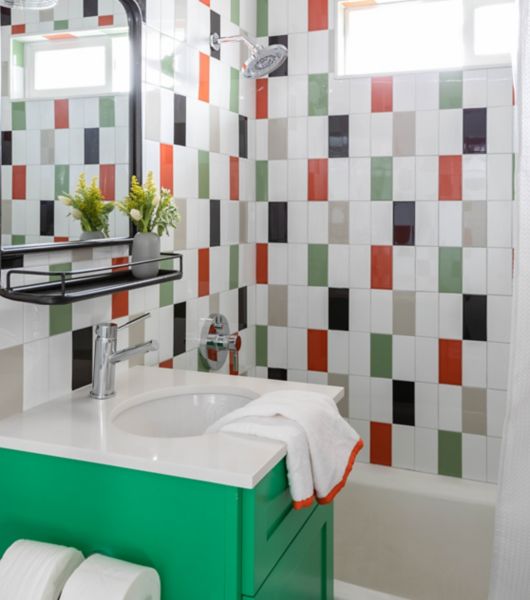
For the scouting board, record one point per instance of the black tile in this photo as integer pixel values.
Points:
(5, 16)
(339, 136)
(243, 136)
(92, 146)
(242, 308)
(179, 329)
(403, 402)
(81, 357)
(339, 309)
(180, 120)
(12, 262)
(475, 318)
(7, 147)
(47, 219)
(475, 130)
(404, 223)
(90, 8)
(284, 69)
(215, 27)
(278, 222)
(215, 223)
(279, 374)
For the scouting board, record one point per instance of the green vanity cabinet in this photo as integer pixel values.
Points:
(207, 541)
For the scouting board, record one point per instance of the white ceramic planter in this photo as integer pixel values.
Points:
(91, 235)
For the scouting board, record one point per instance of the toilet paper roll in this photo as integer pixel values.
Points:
(36, 570)
(102, 577)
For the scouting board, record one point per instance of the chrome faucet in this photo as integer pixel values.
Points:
(106, 356)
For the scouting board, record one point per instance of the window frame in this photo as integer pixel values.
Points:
(471, 60)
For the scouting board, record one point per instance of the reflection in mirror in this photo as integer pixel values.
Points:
(65, 113)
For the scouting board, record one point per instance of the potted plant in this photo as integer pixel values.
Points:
(153, 213)
(89, 207)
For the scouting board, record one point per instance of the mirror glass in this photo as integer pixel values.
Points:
(65, 85)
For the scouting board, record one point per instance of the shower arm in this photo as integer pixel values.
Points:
(216, 40)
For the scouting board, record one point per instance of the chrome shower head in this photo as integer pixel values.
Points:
(29, 4)
(263, 60)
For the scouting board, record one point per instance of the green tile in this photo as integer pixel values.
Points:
(450, 453)
(167, 65)
(234, 267)
(204, 174)
(202, 365)
(18, 240)
(450, 270)
(317, 265)
(166, 294)
(18, 115)
(18, 53)
(107, 111)
(318, 95)
(451, 87)
(61, 25)
(234, 90)
(235, 12)
(60, 317)
(261, 346)
(382, 178)
(263, 18)
(62, 180)
(262, 181)
(381, 356)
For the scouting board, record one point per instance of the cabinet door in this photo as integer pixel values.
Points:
(305, 571)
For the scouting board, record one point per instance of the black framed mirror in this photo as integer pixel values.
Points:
(72, 105)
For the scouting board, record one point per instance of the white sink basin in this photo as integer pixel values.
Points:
(180, 414)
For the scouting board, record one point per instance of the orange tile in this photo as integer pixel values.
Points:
(60, 36)
(204, 272)
(262, 263)
(120, 305)
(262, 99)
(166, 167)
(450, 362)
(381, 444)
(381, 269)
(105, 20)
(450, 178)
(317, 179)
(317, 18)
(382, 91)
(234, 178)
(62, 114)
(207, 2)
(107, 181)
(18, 29)
(19, 182)
(166, 364)
(204, 77)
(60, 238)
(317, 350)
(121, 260)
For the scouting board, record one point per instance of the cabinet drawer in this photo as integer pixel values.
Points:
(269, 525)
(305, 571)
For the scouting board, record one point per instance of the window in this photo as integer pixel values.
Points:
(396, 36)
(76, 66)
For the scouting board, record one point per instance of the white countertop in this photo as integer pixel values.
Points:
(80, 428)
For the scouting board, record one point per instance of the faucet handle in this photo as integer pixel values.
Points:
(135, 321)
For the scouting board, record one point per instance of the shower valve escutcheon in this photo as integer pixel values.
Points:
(217, 342)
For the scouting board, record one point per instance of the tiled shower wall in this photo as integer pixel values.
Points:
(384, 245)
(199, 141)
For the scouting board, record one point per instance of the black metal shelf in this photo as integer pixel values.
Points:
(85, 284)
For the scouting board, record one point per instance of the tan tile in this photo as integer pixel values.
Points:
(136, 336)
(404, 313)
(343, 381)
(179, 239)
(474, 411)
(339, 222)
(7, 212)
(277, 139)
(278, 305)
(12, 378)
(215, 303)
(404, 134)
(475, 228)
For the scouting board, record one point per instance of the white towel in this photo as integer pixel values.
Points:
(321, 446)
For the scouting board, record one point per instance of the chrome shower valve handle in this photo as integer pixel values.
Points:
(217, 342)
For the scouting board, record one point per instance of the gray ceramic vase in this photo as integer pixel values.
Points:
(91, 235)
(146, 246)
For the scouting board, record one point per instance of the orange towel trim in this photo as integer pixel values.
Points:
(332, 495)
